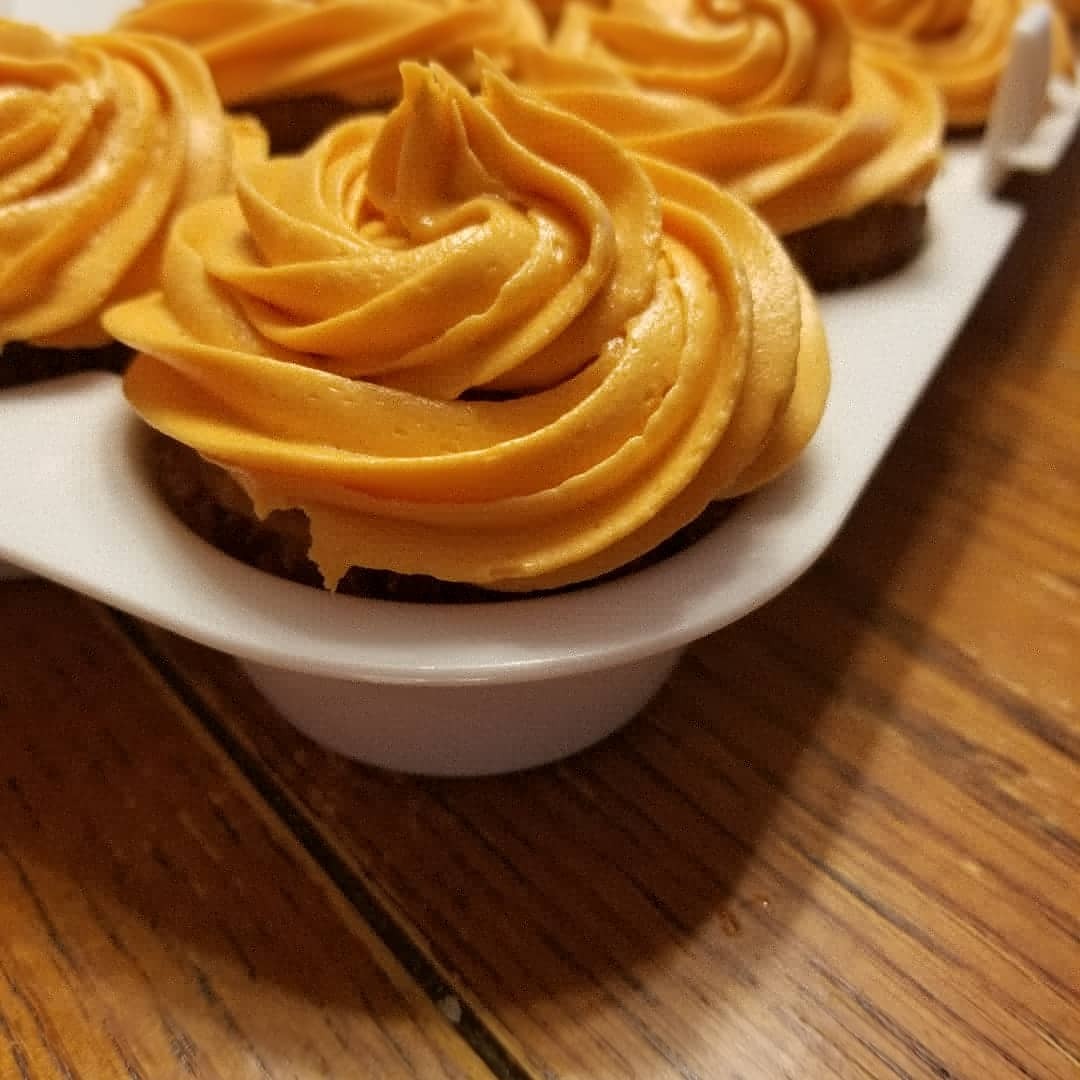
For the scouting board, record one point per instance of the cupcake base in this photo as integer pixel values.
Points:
(206, 498)
(21, 364)
(870, 244)
(294, 124)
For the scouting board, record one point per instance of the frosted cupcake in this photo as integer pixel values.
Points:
(834, 148)
(105, 139)
(303, 64)
(961, 45)
(476, 343)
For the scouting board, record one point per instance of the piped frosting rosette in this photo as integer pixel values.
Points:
(265, 50)
(769, 100)
(963, 46)
(477, 340)
(740, 54)
(102, 140)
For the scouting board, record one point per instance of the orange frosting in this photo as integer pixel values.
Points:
(263, 50)
(102, 140)
(962, 45)
(767, 98)
(477, 340)
(739, 54)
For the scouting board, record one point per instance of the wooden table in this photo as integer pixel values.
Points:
(845, 839)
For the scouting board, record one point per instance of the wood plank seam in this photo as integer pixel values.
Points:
(435, 984)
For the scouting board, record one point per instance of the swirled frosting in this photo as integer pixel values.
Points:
(102, 140)
(962, 45)
(768, 99)
(738, 54)
(265, 50)
(477, 340)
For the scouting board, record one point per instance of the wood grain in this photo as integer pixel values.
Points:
(845, 840)
(156, 920)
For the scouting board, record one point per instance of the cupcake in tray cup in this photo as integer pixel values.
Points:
(104, 139)
(301, 65)
(552, 9)
(835, 148)
(963, 46)
(472, 344)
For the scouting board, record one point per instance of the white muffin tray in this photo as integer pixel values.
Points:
(487, 688)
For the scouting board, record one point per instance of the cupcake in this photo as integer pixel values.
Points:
(105, 139)
(300, 65)
(833, 147)
(963, 47)
(477, 342)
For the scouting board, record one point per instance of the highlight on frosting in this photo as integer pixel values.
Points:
(768, 98)
(102, 140)
(265, 50)
(963, 46)
(478, 340)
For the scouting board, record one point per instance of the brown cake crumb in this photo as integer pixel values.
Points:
(870, 244)
(207, 499)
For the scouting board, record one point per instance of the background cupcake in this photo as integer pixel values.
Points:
(105, 139)
(302, 64)
(834, 148)
(963, 47)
